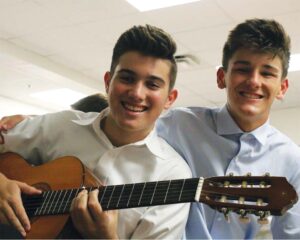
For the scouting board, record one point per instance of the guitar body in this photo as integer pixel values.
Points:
(62, 173)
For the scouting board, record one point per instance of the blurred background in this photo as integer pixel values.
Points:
(54, 52)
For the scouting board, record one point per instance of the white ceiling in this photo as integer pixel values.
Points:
(49, 44)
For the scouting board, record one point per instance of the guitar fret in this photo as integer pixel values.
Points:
(181, 190)
(147, 194)
(47, 204)
(130, 195)
(39, 210)
(126, 193)
(65, 191)
(102, 196)
(123, 186)
(57, 201)
(141, 194)
(111, 196)
(153, 193)
(167, 192)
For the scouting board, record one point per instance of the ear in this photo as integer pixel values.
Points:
(171, 98)
(283, 88)
(221, 78)
(107, 78)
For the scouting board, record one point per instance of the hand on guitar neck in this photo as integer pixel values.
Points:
(89, 218)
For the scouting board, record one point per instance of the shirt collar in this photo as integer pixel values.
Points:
(152, 141)
(226, 126)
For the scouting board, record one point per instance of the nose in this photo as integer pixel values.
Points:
(254, 79)
(137, 91)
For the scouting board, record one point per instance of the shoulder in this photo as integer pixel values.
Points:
(280, 140)
(174, 163)
(285, 149)
(182, 113)
(63, 116)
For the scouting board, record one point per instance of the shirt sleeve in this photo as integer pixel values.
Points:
(26, 139)
(288, 225)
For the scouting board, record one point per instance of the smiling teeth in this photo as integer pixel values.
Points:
(134, 108)
(252, 96)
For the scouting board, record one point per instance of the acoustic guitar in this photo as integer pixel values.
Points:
(62, 179)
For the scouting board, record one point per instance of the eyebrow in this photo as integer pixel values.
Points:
(128, 71)
(267, 66)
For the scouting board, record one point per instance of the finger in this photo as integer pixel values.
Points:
(25, 188)
(94, 206)
(19, 211)
(80, 214)
(12, 219)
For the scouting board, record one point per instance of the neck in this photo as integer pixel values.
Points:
(119, 136)
(249, 123)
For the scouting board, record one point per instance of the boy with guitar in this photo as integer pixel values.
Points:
(119, 145)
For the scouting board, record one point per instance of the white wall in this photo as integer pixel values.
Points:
(288, 122)
(11, 107)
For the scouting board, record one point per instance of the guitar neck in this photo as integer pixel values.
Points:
(118, 196)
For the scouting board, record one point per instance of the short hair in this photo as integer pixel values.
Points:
(260, 35)
(149, 41)
(92, 103)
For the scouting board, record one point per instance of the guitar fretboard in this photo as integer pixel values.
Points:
(116, 196)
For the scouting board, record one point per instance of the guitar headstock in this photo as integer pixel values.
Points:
(259, 195)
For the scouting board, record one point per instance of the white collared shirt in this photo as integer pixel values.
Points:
(74, 133)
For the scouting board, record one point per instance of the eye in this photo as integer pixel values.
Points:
(153, 85)
(242, 70)
(268, 74)
(126, 78)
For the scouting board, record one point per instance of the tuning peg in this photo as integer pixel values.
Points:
(225, 212)
(243, 218)
(263, 221)
(223, 198)
(244, 184)
(259, 202)
(226, 184)
(241, 200)
(262, 184)
(263, 217)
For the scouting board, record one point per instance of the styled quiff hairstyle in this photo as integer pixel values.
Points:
(259, 35)
(149, 41)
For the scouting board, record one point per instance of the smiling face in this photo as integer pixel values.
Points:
(252, 81)
(138, 91)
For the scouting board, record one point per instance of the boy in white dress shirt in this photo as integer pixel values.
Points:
(119, 145)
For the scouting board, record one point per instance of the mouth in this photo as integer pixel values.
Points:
(250, 95)
(134, 108)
